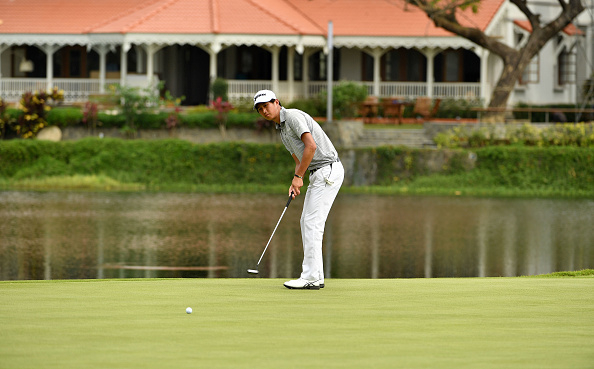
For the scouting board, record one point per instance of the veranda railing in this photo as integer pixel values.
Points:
(75, 89)
(79, 89)
(240, 89)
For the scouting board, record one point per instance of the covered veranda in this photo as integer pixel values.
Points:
(392, 50)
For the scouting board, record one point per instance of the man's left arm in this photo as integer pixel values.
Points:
(308, 154)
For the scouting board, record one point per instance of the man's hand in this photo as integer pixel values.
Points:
(296, 185)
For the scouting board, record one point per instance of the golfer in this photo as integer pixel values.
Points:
(312, 151)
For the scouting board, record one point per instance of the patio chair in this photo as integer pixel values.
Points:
(424, 109)
(369, 109)
(394, 108)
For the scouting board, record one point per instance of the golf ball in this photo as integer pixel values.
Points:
(189, 310)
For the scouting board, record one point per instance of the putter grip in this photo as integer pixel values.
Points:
(289, 201)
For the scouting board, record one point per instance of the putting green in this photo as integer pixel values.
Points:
(256, 322)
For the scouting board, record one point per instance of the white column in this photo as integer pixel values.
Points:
(305, 72)
(151, 50)
(213, 51)
(430, 71)
(102, 51)
(49, 52)
(377, 57)
(139, 59)
(150, 62)
(485, 95)
(291, 72)
(124, 63)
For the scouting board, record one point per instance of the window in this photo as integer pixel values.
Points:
(566, 68)
(532, 72)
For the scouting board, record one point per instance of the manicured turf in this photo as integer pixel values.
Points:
(257, 323)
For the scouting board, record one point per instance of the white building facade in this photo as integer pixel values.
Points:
(294, 65)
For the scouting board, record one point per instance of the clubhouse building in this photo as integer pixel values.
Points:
(390, 46)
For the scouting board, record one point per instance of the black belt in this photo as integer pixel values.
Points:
(312, 171)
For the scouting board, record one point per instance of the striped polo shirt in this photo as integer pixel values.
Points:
(294, 123)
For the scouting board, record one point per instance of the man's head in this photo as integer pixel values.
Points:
(266, 103)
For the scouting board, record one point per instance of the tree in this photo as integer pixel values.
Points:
(444, 14)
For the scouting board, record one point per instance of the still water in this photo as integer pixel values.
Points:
(65, 235)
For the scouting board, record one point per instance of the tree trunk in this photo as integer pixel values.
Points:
(513, 69)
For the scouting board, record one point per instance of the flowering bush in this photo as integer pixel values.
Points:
(90, 115)
(223, 108)
(35, 106)
(173, 119)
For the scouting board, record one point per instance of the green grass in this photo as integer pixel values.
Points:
(102, 183)
(434, 185)
(576, 273)
(243, 323)
(74, 182)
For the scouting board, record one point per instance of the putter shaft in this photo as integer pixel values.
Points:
(272, 235)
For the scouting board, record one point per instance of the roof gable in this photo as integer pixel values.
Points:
(371, 18)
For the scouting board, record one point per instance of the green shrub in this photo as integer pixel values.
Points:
(195, 118)
(163, 163)
(158, 162)
(346, 99)
(219, 88)
(205, 119)
(152, 120)
(315, 106)
(455, 108)
(243, 120)
(244, 105)
(578, 135)
(134, 102)
(110, 120)
(64, 116)
(532, 167)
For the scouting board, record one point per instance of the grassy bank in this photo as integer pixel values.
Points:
(239, 323)
(176, 165)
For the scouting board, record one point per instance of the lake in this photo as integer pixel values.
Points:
(73, 235)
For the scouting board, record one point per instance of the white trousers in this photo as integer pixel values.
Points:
(323, 187)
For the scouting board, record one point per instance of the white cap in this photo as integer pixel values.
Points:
(263, 96)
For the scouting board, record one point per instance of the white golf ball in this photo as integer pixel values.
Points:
(189, 310)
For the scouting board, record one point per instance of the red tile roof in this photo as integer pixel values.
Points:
(570, 29)
(274, 17)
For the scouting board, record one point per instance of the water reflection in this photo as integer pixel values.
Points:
(62, 235)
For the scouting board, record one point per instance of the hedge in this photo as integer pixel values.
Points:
(149, 162)
(167, 162)
(73, 116)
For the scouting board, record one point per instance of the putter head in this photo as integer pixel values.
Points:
(252, 271)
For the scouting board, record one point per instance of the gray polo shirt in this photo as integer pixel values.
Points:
(294, 123)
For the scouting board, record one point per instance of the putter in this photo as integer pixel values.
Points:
(255, 270)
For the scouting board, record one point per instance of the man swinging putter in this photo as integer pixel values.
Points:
(312, 150)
